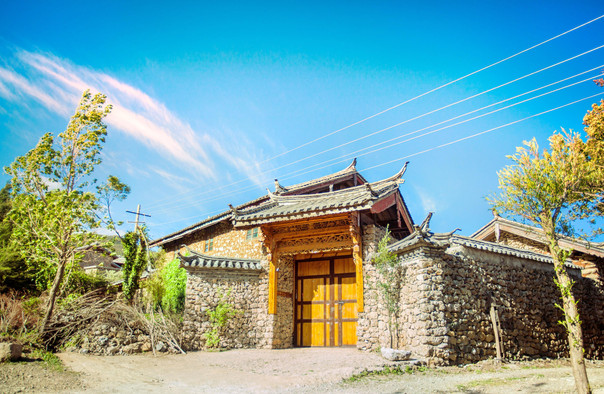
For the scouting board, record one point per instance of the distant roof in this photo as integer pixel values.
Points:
(292, 207)
(198, 260)
(445, 240)
(536, 234)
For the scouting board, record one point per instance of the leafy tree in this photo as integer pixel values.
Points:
(554, 189)
(13, 271)
(389, 284)
(53, 208)
(135, 256)
(175, 284)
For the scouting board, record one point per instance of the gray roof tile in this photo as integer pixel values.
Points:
(198, 260)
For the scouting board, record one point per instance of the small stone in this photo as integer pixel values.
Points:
(395, 354)
(10, 351)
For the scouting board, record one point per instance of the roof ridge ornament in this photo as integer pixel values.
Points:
(353, 165)
(278, 188)
(370, 190)
(399, 175)
(425, 226)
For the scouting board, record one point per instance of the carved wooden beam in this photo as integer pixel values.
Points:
(357, 256)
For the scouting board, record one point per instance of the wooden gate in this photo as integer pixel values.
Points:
(326, 304)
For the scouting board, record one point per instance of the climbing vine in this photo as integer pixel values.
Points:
(135, 255)
(219, 317)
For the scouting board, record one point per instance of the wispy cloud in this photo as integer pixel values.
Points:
(57, 84)
(429, 203)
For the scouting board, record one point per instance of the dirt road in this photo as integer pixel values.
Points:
(310, 370)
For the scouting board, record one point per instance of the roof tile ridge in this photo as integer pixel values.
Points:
(350, 169)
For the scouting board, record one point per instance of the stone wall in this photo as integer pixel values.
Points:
(250, 328)
(227, 242)
(372, 323)
(447, 295)
(283, 329)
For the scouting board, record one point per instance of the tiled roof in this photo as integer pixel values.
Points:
(223, 216)
(536, 234)
(445, 240)
(284, 207)
(346, 172)
(198, 260)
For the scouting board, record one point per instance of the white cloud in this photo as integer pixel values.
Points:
(429, 203)
(57, 84)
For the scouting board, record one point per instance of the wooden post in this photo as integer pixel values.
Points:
(357, 256)
(270, 245)
(496, 329)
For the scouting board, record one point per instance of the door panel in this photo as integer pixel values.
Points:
(326, 307)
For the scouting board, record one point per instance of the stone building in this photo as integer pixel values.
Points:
(293, 259)
(587, 255)
(297, 263)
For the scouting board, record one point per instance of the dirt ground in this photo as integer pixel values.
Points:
(290, 370)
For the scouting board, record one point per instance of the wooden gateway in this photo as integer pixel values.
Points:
(293, 261)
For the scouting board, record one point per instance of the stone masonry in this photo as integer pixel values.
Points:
(447, 295)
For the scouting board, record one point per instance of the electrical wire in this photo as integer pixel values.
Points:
(419, 96)
(451, 142)
(396, 138)
(435, 89)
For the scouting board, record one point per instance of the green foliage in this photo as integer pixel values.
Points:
(135, 255)
(175, 283)
(389, 284)
(14, 273)
(219, 317)
(53, 210)
(51, 361)
(165, 288)
(555, 189)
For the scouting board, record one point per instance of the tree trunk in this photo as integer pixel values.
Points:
(54, 291)
(574, 330)
(571, 312)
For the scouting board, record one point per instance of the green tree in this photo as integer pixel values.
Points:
(555, 189)
(389, 284)
(13, 271)
(135, 256)
(175, 284)
(53, 209)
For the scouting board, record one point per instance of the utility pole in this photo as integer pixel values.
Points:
(138, 214)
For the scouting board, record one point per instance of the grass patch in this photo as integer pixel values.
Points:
(386, 371)
(487, 382)
(50, 360)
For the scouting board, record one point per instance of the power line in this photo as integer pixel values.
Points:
(417, 97)
(399, 137)
(481, 133)
(356, 153)
(433, 90)
(446, 144)
(438, 109)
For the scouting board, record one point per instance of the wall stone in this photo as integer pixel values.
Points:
(447, 296)
(247, 329)
(371, 332)
(283, 331)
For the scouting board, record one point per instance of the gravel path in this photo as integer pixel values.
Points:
(311, 370)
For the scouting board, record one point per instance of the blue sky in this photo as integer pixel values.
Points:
(210, 98)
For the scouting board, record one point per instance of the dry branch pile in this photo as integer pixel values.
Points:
(90, 317)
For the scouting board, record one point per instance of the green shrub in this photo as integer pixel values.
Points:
(165, 288)
(175, 284)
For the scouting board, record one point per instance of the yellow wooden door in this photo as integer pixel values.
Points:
(326, 305)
